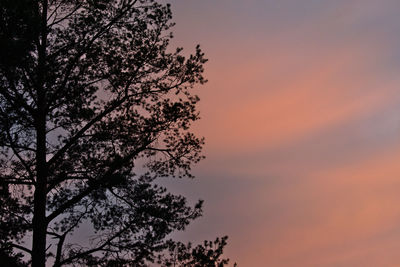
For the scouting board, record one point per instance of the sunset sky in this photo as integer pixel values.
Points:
(301, 117)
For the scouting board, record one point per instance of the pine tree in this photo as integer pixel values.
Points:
(94, 108)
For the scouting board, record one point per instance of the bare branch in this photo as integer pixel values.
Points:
(57, 21)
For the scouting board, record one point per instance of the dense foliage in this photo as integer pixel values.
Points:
(94, 107)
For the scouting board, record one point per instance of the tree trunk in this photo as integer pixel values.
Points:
(39, 213)
(39, 221)
(39, 228)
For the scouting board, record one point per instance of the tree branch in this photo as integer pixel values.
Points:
(89, 43)
(73, 139)
(21, 248)
(62, 237)
(16, 153)
(99, 182)
(99, 248)
(56, 21)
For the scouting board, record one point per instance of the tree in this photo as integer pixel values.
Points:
(94, 107)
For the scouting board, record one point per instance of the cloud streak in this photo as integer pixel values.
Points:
(301, 119)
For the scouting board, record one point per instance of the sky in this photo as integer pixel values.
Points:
(301, 117)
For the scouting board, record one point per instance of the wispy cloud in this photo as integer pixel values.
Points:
(301, 118)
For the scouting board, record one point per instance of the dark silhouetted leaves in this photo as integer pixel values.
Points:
(94, 111)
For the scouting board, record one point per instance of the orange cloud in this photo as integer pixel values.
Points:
(260, 110)
(303, 112)
(335, 217)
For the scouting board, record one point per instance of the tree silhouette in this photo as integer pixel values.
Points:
(94, 108)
